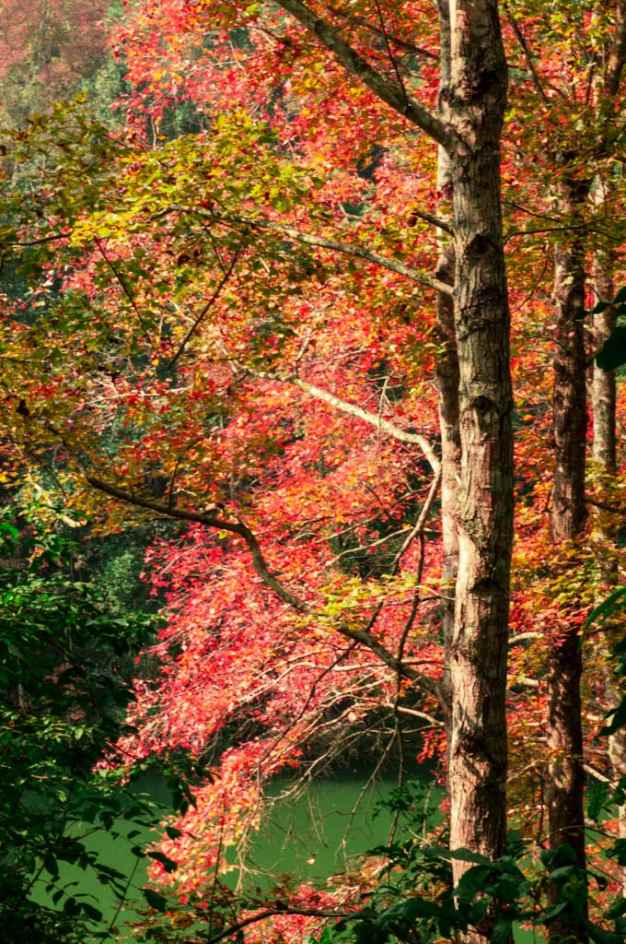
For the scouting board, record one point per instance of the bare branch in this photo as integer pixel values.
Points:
(374, 419)
(599, 776)
(433, 220)
(415, 275)
(390, 54)
(522, 637)
(414, 713)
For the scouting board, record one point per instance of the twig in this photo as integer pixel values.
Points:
(196, 324)
(274, 912)
(527, 54)
(390, 54)
(122, 281)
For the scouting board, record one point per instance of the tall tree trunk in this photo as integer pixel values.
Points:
(603, 401)
(469, 127)
(478, 754)
(603, 388)
(447, 371)
(566, 778)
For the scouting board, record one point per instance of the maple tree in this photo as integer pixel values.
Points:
(250, 318)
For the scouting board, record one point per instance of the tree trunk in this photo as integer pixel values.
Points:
(603, 401)
(566, 779)
(447, 371)
(603, 391)
(569, 392)
(469, 126)
(478, 754)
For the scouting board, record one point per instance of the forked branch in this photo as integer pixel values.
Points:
(260, 565)
(388, 91)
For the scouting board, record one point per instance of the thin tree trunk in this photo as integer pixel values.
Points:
(603, 401)
(566, 778)
(603, 392)
(569, 392)
(478, 754)
(447, 371)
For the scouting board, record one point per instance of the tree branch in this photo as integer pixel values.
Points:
(372, 418)
(396, 40)
(519, 35)
(387, 91)
(605, 506)
(211, 521)
(194, 327)
(362, 636)
(415, 275)
(274, 912)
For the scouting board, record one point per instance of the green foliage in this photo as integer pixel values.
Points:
(614, 603)
(65, 655)
(415, 899)
(613, 352)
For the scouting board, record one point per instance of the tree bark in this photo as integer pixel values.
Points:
(566, 778)
(469, 126)
(447, 373)
(478, 751)
(603, 388)
(603, 402)
(569, 390)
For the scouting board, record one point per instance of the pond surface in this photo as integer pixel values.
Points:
(311, 836)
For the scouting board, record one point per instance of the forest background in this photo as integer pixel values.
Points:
(299, 301)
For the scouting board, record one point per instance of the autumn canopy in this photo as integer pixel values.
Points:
(320, 306)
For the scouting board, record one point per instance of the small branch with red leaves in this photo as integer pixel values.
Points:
(211, 521)
(275, 912)
(261, 567)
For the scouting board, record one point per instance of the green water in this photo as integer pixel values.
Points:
(311, 836)
(316, 835)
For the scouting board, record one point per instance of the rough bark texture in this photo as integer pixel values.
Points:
(447, 371)
(603, 382)
(569, 392)
(469, 127)
(603, 400)
(566, 778)
(478, 755)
